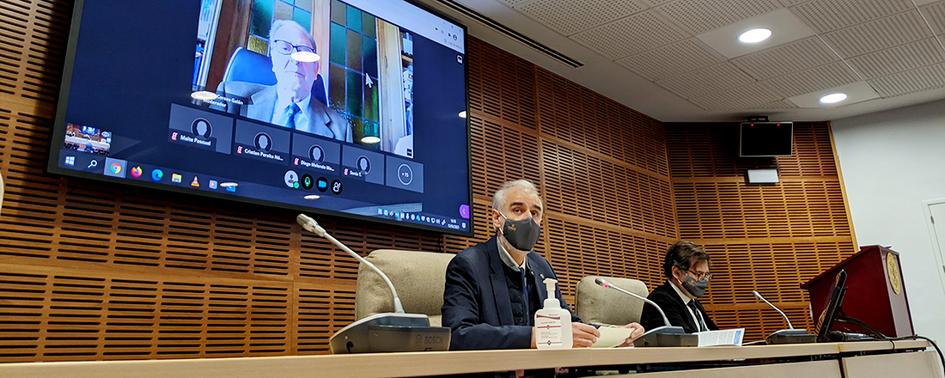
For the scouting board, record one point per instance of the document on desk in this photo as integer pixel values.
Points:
(611, 336)
(721, 337)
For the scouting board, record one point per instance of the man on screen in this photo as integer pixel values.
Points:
(686, 268)
(494, 288)
(289, 103)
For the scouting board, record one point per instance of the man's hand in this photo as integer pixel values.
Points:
(636, 330)
(583, 335)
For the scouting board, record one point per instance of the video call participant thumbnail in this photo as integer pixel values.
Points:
(289, 103)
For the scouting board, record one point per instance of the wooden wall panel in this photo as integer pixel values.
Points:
(765, 237)
(96, 271)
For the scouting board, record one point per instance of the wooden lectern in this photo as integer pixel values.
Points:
(875, 293)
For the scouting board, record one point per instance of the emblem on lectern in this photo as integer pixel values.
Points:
(893, 274)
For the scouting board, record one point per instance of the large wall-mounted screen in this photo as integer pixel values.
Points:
(347, 107)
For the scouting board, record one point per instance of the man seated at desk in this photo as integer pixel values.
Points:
(686, 268)
(494, 288)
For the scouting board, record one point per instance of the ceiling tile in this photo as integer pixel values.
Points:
(679, 57)
(516, 3)
(699, 16)
(815, 79)
(777, 105)
(791, 3)
(571, 16)
(857, 91)
(878, 34)
(706, 80)
(900, 58)
(935, 14)
(656, 2)
(786, 59)
(829, 15)
(630, 35)
(920, 79)
(751, 96)
(785, 26)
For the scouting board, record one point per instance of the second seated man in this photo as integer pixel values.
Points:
(494, 288)
(686, 268)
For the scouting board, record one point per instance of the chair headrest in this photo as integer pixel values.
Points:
(249, 66)
(607, 306)
(419, 278)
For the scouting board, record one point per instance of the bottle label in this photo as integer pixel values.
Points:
(549, 330)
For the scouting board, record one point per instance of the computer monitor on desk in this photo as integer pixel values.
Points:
(832, 307)
(833, 314)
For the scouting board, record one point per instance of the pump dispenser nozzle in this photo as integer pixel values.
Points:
(550, 284)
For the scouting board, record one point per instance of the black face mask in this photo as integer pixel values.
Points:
(696, 288)
(521, 234)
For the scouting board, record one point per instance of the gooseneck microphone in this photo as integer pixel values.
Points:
(789, 335)
(312, 226)
(758, 295)
(385, 332)
(667, 335)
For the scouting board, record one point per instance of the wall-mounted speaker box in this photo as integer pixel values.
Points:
(763, 176)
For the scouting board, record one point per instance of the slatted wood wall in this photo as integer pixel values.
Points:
(765, 237)
(94, 271)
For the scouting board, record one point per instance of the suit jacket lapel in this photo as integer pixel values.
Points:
(500, 287)
(690, 324)
(539, 278)
(263, 102)
(703, 314)
(321, 120)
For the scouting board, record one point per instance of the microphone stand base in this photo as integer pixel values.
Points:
(390, 332)
(791, 336)
(667, 336)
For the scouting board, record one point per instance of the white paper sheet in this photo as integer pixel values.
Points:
(611, 336)
(721, 337)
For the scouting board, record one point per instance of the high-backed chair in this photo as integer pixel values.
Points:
(596, 304)
(419, 278)
(251, 67)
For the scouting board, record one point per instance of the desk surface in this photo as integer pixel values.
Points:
(433, 363)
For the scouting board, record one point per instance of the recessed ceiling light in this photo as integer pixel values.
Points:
(305, 56)
(370, 140)
(833, 98)
(462, 114)
(754, 35)
(204, 95)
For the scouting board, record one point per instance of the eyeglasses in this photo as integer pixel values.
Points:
(286, 48)
(700, 275)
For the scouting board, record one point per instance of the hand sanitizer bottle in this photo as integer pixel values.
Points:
(552, 323)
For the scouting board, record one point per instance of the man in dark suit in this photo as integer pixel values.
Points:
(686, 268)
(494, 288)
(289, 103)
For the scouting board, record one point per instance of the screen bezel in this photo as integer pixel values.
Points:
(832, 308)
(741, 143)
(59, 129)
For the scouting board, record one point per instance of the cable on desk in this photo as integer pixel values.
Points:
(880, 336)
(941, 358)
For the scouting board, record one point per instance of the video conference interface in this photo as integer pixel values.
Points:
(354, 107)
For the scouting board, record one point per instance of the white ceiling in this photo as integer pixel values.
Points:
(678, 60)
